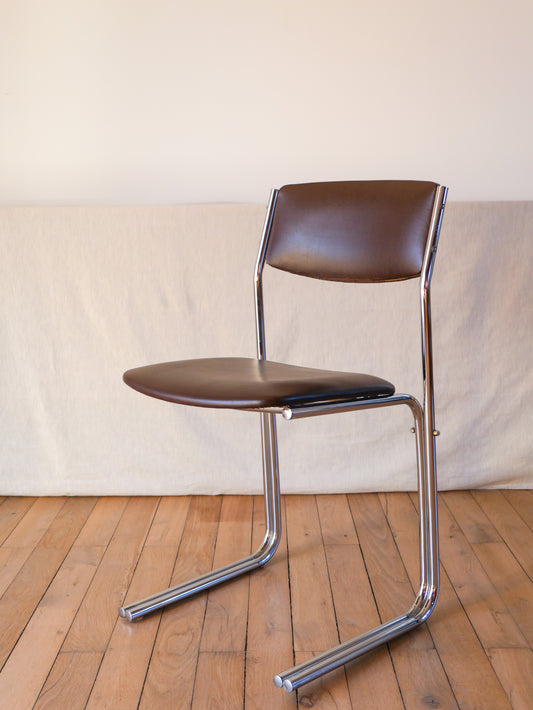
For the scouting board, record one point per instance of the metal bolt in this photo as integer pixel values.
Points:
(436, 432)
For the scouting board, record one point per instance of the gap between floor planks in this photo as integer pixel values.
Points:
(345, 563)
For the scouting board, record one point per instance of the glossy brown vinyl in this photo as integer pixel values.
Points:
(246, 383)
(365, 231)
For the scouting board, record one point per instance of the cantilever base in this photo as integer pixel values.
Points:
(270, 543)
(339, 655)
(348, 651)
(182, 591)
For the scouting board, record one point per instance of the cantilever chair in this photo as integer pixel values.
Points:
(373, 231)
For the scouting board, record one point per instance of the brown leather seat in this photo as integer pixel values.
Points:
(246, 383)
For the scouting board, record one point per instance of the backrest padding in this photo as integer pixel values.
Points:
(352, 231)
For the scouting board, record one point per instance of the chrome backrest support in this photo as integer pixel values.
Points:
(258, 280)
(425, 279)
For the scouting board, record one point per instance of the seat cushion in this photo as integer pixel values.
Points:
(247, 383)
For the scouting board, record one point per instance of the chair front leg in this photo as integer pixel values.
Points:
(259, 558)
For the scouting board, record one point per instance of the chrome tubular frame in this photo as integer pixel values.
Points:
(267, 548)
(270, 542)
(424, 429)
(427, 594)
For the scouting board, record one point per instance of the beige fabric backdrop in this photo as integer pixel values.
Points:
(88, 292)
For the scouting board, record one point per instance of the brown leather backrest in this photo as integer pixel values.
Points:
(352, 231)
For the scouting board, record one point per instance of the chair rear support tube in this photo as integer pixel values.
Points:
(258, 278)
(428, 481)
(271, 488)
(427, 595)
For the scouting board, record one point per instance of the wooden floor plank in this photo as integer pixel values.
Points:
(20, 681)
(352, 594)
(227, 605)
(35, 522)
(222, 683)
(101, 524)
(486, 610)
(313, 614)
(11, 562)
(65, 679)
(25, 535)
(512, 583)
(269, 647)
(370, 680)
(172, 671)
(373, 679)
(70, 674)
(472, 520)
(168, 524)
(120, 678)
(522, 502)
(336, 520)
(449, 625)
(97, 616)
(314, 623)
(419, 670)
(391, 586)
(515, 532)
(514, 667)
(24, 593)
(12, 510)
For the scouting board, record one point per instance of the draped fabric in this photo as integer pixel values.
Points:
(88, 292)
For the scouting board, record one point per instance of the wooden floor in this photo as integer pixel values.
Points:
(345, 562)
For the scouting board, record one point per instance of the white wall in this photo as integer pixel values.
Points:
(129, 101)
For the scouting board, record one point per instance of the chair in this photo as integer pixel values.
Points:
(372, 231)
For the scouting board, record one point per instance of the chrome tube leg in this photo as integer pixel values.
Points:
(427, 595)
(429, 543)
(269, 545)
(271, 488)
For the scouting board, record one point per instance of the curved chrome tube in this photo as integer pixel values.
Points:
(427, 596)
(270, 479)
(339, 655)
(259, 558)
